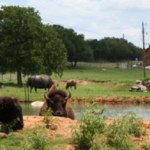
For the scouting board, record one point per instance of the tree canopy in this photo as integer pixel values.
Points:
(77, 49)
(114, 49)
(28, 46)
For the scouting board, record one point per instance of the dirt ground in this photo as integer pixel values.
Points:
(65, 131)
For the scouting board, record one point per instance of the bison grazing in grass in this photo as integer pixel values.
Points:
(71, 83)
(10, 114)
(57, 100)
(39, 81)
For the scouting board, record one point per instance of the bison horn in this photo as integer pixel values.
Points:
(68, 96)
(47, 98)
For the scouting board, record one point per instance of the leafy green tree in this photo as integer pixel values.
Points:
(77, 49)
(94, 45)
(18, 35)
(114, 49)
(53, 50)
(26, 45)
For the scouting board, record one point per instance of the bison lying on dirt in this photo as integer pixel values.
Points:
(10, 114)
(39, 81)
(138, 87)
(71, 83)
(57, 100)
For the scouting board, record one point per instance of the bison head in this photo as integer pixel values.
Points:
(57, 101)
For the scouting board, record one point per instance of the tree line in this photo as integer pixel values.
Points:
(108, 49)
(30, 47)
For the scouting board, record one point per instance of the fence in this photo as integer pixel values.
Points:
(11, 77)
(124, 65)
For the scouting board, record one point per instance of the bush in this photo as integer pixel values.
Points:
(38, 139)
(91, 122)
(94, 134)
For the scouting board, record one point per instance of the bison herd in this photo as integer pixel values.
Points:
(11, 116)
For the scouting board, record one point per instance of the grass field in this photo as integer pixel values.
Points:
(118, 82)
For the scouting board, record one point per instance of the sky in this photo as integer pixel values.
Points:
(95, 19)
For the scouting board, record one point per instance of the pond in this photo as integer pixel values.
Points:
(142, 110)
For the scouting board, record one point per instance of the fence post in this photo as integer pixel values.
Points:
(25, 92)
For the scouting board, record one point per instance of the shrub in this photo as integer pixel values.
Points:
(37, 139)
(47, 113)
(91, 122)
(118, 136)
(94, 134)
(132, 123)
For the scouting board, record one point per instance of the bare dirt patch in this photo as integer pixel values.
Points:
(82, 82)
(65, 131)
(63, 125)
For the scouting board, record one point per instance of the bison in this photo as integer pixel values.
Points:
(138, 87)
(57, 100)
(10, 114)
(71, 83)
(39, 81)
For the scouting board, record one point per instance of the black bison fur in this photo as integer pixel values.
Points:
(4, 129)
(39, 81)
(57, 100)
(10, 113)
(71, 83)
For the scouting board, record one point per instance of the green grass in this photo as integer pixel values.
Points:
(117, 83)
(33, 138)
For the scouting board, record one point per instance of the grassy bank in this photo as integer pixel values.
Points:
(117, 82)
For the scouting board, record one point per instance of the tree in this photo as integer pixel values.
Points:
(18, 35)
(77, 49)
(113, 49)
(54, 53)
(26, 45)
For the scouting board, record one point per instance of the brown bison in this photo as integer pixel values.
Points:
(57, 100)
(39, 81)
(10, 114)
(71, 83)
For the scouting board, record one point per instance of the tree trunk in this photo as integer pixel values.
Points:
(71, 63)
(19, 78)
(75, 63)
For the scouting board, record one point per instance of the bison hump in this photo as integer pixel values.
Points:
(57, 92)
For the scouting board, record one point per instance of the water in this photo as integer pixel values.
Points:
(142, 110)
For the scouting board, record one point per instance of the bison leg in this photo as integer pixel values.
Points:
(4, 129)
(67, 87)
(75, 87)
(19, 122)
(31, 89)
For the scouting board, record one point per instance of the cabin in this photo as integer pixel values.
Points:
(147, 56)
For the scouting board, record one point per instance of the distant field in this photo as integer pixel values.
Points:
(118, 82)
(103, 64)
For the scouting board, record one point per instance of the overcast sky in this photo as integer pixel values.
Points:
(95, 19)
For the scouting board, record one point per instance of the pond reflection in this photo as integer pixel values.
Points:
(142, 110)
